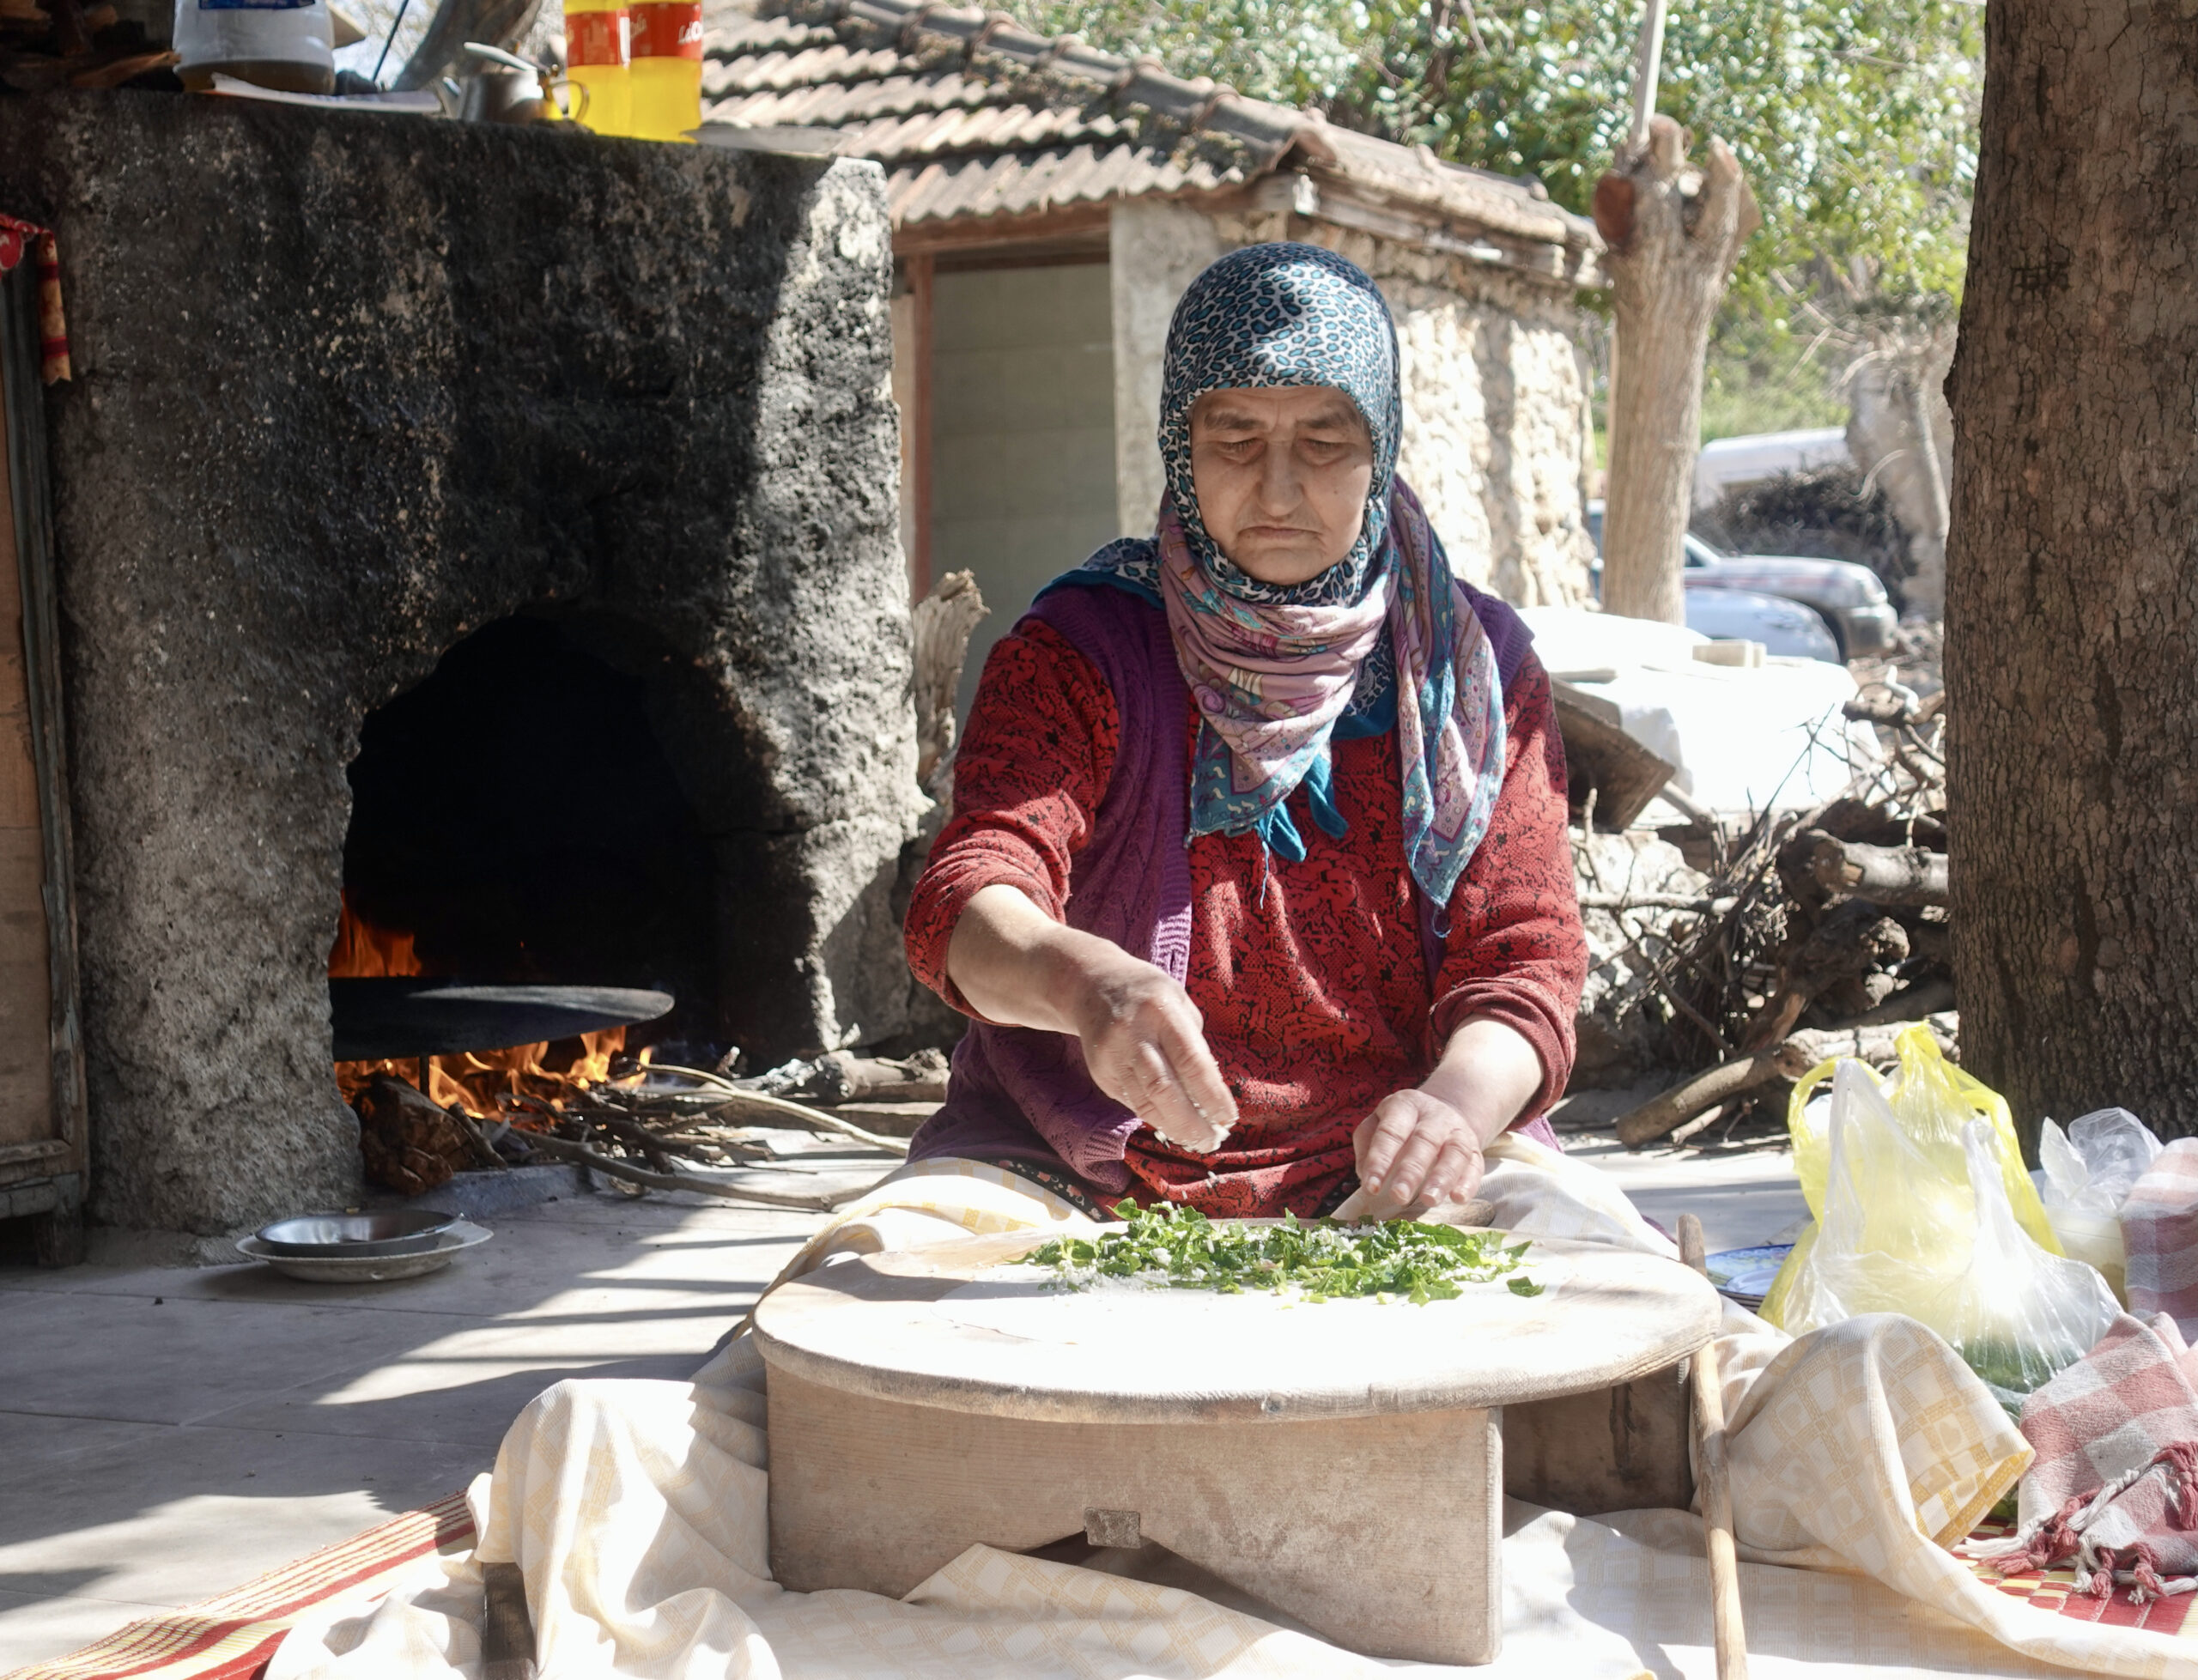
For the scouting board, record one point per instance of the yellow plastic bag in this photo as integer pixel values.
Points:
(1933, 1100)
(1922, 1209)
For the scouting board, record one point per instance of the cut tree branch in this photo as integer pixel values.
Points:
(1788, 1060)
(1904, 875)
(1853, 941)
(564, 1149)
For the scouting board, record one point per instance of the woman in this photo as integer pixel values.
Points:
(1257, 883)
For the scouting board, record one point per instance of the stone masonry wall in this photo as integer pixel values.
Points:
(349, 387)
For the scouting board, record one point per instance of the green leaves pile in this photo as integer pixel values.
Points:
(1400, 1259)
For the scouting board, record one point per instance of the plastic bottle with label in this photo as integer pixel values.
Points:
(285, 44)
(667, 69)
(598, 56)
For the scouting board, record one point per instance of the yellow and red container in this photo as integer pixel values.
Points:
(667, 69)
(598, 56)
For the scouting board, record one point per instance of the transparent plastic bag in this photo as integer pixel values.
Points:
(2017, 1314)
(1900, 1230)
(1932, 1101)
(2085, 1174)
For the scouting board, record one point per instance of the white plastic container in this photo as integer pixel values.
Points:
(273, 43)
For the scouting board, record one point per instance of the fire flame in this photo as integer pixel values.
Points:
(365, 950)
(485, 1083)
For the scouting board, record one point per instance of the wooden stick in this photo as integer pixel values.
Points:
(1655, 901)
(731, 1096)
(1715, 1483)
(1647, 66)
(507, 1629)
(543, 1143)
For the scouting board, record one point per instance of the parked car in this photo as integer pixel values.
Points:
(1847, 598)
(1784, 628)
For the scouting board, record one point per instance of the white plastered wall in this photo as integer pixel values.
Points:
(1495, 391)
(1022, 433)
(1155, 249)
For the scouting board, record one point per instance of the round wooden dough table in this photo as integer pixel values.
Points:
(1340, 1461)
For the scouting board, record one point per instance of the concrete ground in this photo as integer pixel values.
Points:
(174, 1431)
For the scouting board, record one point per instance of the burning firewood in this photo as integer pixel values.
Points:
(408, 1143)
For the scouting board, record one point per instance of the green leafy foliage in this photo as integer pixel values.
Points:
(1399, 1260)
(1856, 120)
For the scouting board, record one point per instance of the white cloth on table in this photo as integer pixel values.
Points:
(637, 1512)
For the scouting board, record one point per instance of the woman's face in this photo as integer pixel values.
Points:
(1282, 476)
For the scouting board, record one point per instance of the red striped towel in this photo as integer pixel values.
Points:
(2115, 1484)
(2159, 1229)
(18, 238)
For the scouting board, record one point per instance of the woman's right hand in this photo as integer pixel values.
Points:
(1143, 1039)
(1144, 1042)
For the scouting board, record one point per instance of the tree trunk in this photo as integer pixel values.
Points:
(1899, 432)
(1927, 590)
(2072, 611)
(1673, 233)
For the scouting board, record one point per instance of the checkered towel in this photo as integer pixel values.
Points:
(2159, 1229)
(2115, 1484)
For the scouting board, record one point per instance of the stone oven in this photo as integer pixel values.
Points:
(495, 526)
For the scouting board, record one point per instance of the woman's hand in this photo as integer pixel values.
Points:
(1145, 1043)
(1416, 1151)
(1419, 1149)
(1144, 1040)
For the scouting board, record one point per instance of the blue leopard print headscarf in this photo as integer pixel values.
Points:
(1276, 315)
(1382, 638)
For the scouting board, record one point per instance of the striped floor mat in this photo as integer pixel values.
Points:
(2054, 1590)
(231, 1637)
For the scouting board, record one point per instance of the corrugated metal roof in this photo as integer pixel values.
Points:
(972, 118)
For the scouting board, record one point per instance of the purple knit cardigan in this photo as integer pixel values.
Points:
(1018, 1093)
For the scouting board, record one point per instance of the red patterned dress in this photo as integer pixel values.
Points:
(1312, 976)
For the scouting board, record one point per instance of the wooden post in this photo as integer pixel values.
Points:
(1647, 70)
(1673, 236)
(921, 275)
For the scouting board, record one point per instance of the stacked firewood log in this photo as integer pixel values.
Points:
(1816, 932)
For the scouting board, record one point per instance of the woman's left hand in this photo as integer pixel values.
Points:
(1422, 1148)
(1416, 1151)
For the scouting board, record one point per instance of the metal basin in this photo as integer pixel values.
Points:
(356, 1235)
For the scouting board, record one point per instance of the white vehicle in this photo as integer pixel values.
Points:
(1731, 463)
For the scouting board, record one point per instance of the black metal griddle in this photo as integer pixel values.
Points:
(380, 1019)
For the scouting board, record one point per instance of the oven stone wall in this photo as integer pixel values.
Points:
(349, 387)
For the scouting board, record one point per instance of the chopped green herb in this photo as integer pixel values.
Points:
(1400, 1259)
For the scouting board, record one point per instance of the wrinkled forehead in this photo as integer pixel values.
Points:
(1277, 409)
